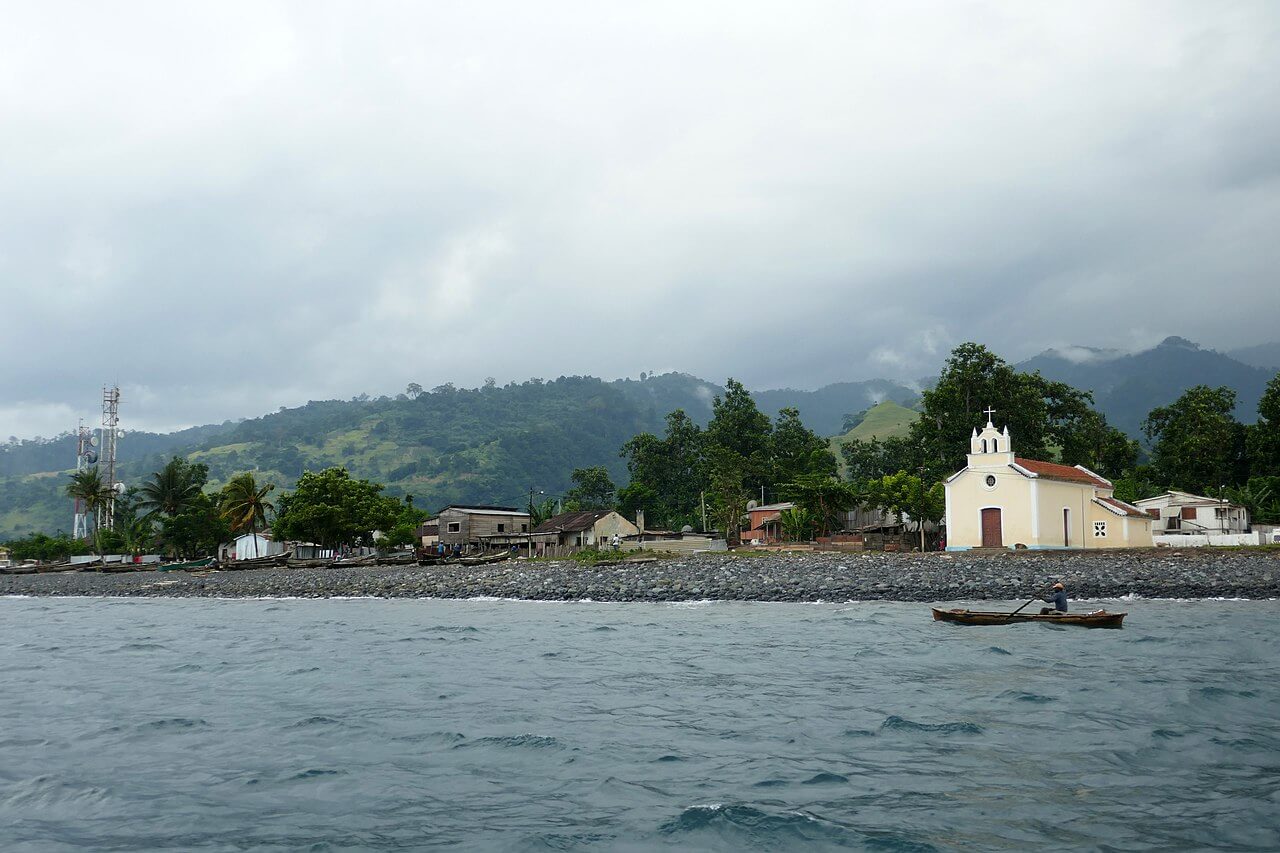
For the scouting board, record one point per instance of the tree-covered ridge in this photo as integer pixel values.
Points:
(447, 445)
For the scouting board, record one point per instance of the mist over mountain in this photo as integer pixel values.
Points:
(1127, 386)
(1266, 356)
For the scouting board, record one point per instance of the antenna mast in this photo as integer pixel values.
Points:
(110, 434)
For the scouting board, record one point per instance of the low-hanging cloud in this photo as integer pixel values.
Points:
(237, 206)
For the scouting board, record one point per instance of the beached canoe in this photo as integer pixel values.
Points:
(1096, 619)
(191, 565)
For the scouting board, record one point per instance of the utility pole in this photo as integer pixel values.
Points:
(704, 510)
(920, 510)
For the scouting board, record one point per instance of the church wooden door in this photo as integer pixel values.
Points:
(991, 537)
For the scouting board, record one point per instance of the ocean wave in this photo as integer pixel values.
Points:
(526, 741)
(896, 723)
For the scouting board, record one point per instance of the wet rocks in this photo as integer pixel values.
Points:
(815, 576)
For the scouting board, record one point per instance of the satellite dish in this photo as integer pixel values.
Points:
(119, 488)
(93, 441)
(751, 505)
(91, 456)
(119, 433)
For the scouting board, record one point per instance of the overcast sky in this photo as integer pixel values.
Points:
(231, 207)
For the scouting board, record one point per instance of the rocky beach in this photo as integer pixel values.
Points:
(805, 576)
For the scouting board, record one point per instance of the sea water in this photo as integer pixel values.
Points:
(479, 725)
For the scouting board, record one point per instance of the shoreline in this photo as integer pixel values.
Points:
(826, 577)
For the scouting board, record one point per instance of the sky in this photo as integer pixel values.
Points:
(230, 207)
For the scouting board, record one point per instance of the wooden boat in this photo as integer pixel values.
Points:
(190, 565)
(1096, 619)
(272, 562)
(44, 568)
(483, 561)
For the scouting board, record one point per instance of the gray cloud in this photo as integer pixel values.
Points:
(233, 207)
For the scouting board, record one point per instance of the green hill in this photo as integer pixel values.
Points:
(448, 445)
(885, 420)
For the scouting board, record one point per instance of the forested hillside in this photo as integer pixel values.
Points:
(485, 445)
(1126, 387)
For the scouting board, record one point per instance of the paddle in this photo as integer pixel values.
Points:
(1019, 610)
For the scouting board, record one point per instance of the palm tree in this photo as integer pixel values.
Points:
(245, 506)
(88, 486)
(171, 489)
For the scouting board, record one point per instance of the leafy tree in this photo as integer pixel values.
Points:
(1263, 439)
(88, 487)
(871, 460)
(668, 474)
(1040, 413)
(796, 449)
(174, 487)
(1197, 444)
(331, 508)
(797, 524)
(39, 546)
(822, 497)
(906, 495)
(540, 512)
(1136, 484)
(740, 428)
(1092, 442)
(592, 489)
(413, 390)
(728, 497)
(1261, 496)
(245, 506)
(197, 529)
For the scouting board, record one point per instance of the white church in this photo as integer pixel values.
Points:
(1000, 500)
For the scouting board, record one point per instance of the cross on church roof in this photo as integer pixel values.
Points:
(989, 412)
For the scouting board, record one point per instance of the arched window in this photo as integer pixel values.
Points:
(984, 445)
(995, 445)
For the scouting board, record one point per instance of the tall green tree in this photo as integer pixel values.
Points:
(331, 508)
(196, 529)
(1197, 444)
(592, 489)
(245, 506)
(738, 427)
(1092, 442)
(1040, 413)
(667, 475)
(795, 449)
(1263, 437)
(88, 487)
(174, 487)
(726, 493)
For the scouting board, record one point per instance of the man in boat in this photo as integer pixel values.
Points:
(1058, 600)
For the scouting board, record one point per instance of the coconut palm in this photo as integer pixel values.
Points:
(244, 505)
(172, 489)
(88, 486)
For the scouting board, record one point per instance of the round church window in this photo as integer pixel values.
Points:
(991, 481)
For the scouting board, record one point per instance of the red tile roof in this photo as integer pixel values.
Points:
(1054, 471)
(1127, 509)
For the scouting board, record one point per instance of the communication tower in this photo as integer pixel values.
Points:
(86, 456)
(110, 435)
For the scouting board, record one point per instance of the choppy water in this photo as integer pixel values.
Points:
(396, 725)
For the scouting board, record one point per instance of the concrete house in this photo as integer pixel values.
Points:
(1180, 514)
(572, 531)
(474, 526)
(999, 500)
(766, 524)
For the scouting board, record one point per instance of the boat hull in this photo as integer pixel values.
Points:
(1097, 619)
